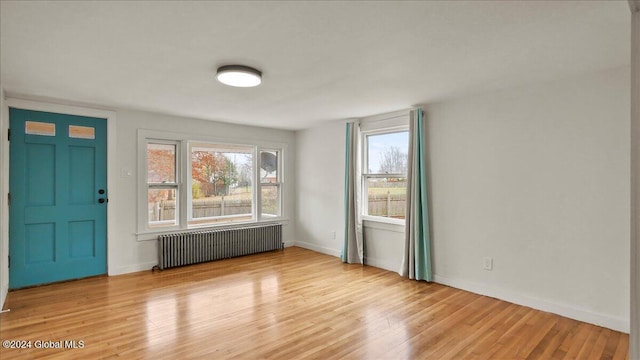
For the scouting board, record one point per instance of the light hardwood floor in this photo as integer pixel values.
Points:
(289, 304)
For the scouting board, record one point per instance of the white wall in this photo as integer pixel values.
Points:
(538, 179)
(320, 188)
(535, 177)
(126, 252)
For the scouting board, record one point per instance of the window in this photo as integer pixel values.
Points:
(270, 183)
(162, 185)
(384, 173)
(39, 128)
(82, 132)
(188, 183)
(221, 183)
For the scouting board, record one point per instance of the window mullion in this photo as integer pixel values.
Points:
(182, 168)
(257, 194)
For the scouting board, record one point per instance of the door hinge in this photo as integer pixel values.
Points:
(8, 199)
(8, 134)
(9, 261)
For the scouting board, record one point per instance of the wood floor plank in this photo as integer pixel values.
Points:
(289, 304)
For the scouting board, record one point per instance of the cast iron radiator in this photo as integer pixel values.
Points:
(200, 246)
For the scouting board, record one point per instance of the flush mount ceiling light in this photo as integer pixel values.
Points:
(239, 76)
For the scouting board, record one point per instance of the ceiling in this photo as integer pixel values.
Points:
(321, 61)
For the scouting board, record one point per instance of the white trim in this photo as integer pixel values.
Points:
(4, 209)
(317, 248)
(112, 165)
(387, 120)
(634, 337)
(289, 243)
(566, 310)
(382, 223)
(153, 235)
(121, 270)
(170, 135)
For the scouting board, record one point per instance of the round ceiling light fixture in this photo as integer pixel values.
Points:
(239, 76)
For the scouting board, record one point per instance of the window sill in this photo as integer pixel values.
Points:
(152, 235)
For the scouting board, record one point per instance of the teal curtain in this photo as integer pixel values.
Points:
(353, 249)
(416, 262)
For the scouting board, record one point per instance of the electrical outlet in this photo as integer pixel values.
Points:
(487, 263)
(333, 235)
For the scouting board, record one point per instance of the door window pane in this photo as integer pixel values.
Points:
(82, 132)
(161, 163)
(40, 128)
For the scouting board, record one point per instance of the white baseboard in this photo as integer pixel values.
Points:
(566, 310)
(132, 268)
(316, 248)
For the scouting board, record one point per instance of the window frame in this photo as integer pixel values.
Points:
(176, 185)
(277, 184)
(365, 175)
(189, 182)
(183, 167)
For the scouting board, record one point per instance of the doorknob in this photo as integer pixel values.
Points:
(101, 200)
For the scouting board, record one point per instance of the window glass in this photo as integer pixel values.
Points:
(387, 197)
(162, 207)
(387, 153)
(270, 200)
(39, 128)
(384, 172)
(268, 166)
(82, 132)
(161, 163)
(221, 183)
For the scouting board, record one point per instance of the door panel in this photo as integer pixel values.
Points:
(57, 224)
(40, 167)
(40, 243)
(81, 186)
(82, 239)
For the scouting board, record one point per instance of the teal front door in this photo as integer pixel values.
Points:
(58, 197)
